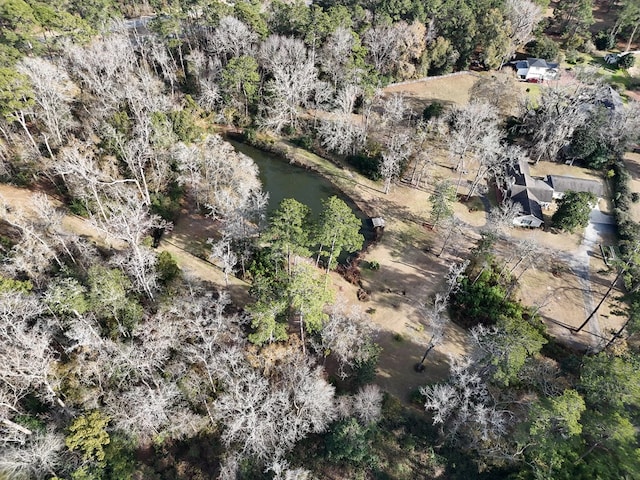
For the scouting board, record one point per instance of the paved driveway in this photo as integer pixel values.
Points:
(600, 227)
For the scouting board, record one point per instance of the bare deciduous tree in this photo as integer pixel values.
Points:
(266, 417)
(27, 358)
(294, 77)
(53, 94)
(501, 217)
(470, 125)
(159, 409)
(367, 404)
(397, 151)
(218, 177)
(335, 56)
(348, 335)
(39, 458)
(523, 17)
(231, 38)
(102, 67)
(466, 408)
(434, 316)
(221, 250)
(560, 111)
(341, 135)
(381, 42)
(42, 241)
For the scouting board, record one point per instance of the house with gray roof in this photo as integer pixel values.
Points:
(536, 194)
(561, 184)
(532, 194)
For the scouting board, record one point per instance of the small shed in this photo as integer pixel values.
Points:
(378, 226)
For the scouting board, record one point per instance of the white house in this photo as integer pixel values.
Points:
(536, 70)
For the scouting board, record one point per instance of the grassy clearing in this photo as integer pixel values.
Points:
(449, 90)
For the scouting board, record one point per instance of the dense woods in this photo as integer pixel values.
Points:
(116, 364)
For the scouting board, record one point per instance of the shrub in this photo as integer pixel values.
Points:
(250, 135)
(433, 110)
(366, 165)
(626, 61)
(77, 207)
(167, 204)
(303, 141)
(365, 371)
(482, 301)
(572, 57)
(11, 285)
(167, 267)
(374, 265)
(603, 41)
(184, 125)
(350, 442)
(88, 434)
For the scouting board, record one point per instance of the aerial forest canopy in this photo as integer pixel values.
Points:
(116, 363)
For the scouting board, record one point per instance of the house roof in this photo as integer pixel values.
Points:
(377, 222)
(561, 183)
(528, 191)
(530, 206)
(540, 63)
(613, 100)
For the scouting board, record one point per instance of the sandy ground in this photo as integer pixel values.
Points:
(190, 264)
(409, 275)
(449, 90)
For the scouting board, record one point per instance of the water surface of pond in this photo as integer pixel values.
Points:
(285, 180)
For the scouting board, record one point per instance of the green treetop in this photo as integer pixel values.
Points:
(88, 434)
(289, 229)
(240, 80)
(338, 230)
(573, 210)
(444, 193)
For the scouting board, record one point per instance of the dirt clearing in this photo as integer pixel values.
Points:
(449, 90)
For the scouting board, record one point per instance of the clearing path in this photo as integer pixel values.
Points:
(22, 198)
(579, 263)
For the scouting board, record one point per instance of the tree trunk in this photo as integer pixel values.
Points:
(333, 246)
(319, 253)
(304, 351)
(633, 34)
(430, 347)
(15, 426)
(460, 168)
(606, 295)
(476, 181)
(23, 124)
(446, 241)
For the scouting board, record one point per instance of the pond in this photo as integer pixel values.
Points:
(285, 180)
